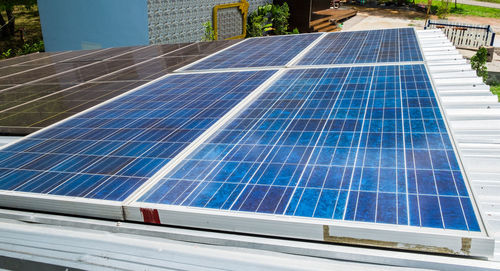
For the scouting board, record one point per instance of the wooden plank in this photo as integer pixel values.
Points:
(328, 28)
(318, 21)
(340, 13)
(323, 25)
(331, 15)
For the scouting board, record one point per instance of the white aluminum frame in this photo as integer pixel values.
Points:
(324, 230)
(90, 244)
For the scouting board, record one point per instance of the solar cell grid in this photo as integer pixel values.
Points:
(108, 152)
(359, 144)
(375, 46)
(258, 52)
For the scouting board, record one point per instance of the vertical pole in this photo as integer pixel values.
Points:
(429, 4)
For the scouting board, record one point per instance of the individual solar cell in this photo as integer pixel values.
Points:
(375, 46)
(362, 144)
(108, 152)
(258, 52)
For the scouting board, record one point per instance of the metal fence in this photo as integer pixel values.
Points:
(464, 35)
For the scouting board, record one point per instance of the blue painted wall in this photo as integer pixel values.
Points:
(92, 24)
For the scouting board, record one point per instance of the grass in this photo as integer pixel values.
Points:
(495, 89)
(466, 10)
(29, 21)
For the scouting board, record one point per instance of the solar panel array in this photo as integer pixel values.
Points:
(362, 141)
(110, 151)
(332, 143)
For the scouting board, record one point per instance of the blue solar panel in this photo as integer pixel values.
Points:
(110, 151)
(258, 52)
(356, 144)
(376, 46)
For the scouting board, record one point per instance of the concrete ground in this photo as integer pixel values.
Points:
(377, 18)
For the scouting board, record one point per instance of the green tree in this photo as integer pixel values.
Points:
(9, 26)
(478, 63)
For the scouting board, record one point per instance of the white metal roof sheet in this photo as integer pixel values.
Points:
(474, 117)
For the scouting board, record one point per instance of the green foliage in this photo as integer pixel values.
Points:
(259, 21)
(269, 18)
(443, 10)
(478, 63)
(495, 88)
(9, 4)
(209, 32)
(295, 31)
(280, 15)
(27, 48)
(7, 53)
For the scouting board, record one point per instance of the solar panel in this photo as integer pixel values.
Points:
(375, 46)
(37, 92)
(359, 144)
(108, 152)
(257, 52)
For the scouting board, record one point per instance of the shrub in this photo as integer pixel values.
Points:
(259, 21)
(26, 48)
(280, 15)
(269, 18)
(443, 10)
(478, 63)
(209, 32)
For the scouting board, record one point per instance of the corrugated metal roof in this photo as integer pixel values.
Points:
(473, 114)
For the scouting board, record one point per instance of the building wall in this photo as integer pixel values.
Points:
(174, 21)
(92, 24)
